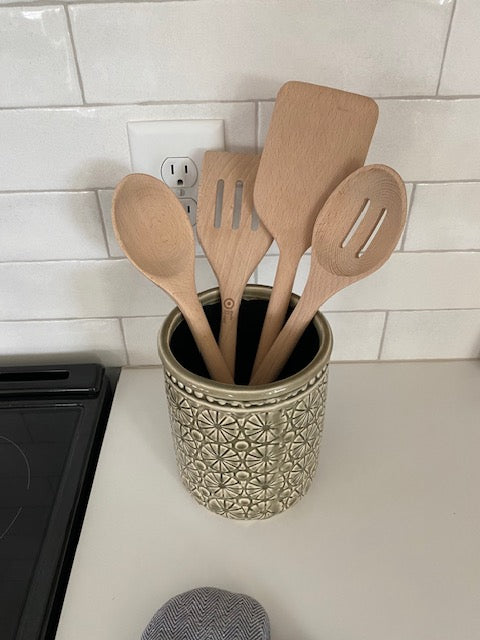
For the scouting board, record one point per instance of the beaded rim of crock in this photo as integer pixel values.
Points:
(198, 393)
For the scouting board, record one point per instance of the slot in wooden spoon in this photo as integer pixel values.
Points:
(339, 257)
(155, 234)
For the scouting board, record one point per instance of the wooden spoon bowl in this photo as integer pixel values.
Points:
(155, 234)
(355, 233)
(149, 224)
(355, 246)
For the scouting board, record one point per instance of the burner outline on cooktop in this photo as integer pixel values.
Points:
(25, 459)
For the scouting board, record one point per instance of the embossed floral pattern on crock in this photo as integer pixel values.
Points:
(244, 461)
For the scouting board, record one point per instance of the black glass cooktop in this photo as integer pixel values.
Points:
(51, 423)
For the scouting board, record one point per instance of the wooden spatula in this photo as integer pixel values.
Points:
(233, 238)
(316, 138)
(355, 233)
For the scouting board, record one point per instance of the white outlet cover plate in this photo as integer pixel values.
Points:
(151, 142)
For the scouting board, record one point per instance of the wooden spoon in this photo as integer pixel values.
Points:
(355, 233)
(316, 138)
(155, 234)
(232, 236)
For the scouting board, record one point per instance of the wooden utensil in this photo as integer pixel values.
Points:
(316, 138)
(355, 233)
(233, 238)
(155, 234)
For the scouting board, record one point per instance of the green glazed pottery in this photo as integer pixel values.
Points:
(246, 452)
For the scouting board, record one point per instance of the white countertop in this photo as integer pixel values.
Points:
(385, 546)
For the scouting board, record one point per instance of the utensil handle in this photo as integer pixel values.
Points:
(202, 333)
(291, 333)
(277, 306)
(228, 328)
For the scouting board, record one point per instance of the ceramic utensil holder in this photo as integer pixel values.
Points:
(245, 452)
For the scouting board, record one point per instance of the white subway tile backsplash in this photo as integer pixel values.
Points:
(461, 71)
(36, 58)
(62, 341)
(429, 140)
(445, 217)
(50, 226)
(424, 140)
(406, 281)
(84, 289)
(141, 338)
(356, 335)
(87, 147)
(432, 334)
(246, 50)
(65, 287)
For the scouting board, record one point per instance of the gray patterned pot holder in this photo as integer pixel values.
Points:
(209, 614)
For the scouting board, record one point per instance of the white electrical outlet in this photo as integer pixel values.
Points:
(172, 150)
(179, 172)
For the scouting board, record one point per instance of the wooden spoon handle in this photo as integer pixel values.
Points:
(277, 306)
(228, 328)
(314, 295)
(197, 321)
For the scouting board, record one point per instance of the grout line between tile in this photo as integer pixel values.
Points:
(433, 96)
(166, 103)
(201, 257)
(382, 339)
(416, 251)
(405, 360)
(162, 316)
(74, 50)
(146, 103)
(122, 331)
(419, 310)
(102, 222)
(45, 3)
(407, 224)
(23, 191)
(465, 181)
(104, 259)
(444, 56)
(257, 127)
(63, 260)
(107, 188)
(76, 318)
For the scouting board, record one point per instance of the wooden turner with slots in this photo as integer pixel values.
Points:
(355, 233)
(233, 238)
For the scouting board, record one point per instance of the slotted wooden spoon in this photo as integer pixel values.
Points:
(155, 234)
(355, 233)
(232, 236)
(317, 137)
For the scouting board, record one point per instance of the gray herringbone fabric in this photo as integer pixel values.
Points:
(209, 614)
